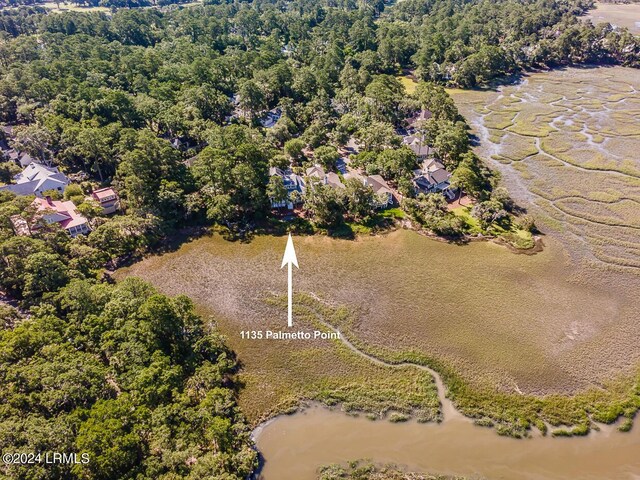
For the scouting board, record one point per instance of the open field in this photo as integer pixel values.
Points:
(620, 14)
(69, 7)
(408, 82)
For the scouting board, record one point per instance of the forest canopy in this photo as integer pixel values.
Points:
(128, 376)
(105, 94)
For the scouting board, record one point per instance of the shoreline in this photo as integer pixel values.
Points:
(176, 240)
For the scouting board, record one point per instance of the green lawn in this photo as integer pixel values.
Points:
(396, 213)
(517, 237)
(408, 83)
(473, 227)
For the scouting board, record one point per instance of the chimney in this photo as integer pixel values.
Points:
(49, 201)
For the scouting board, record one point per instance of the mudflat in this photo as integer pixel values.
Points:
(618, 14)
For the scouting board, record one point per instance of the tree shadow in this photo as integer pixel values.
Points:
(343, 231)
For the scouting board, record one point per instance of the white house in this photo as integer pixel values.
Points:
(270, 118)
(36, 179)
(433, 178)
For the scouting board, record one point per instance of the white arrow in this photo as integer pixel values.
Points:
(289, 259)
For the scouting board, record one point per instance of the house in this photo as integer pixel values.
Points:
(292, 182)
(432, 178)
(415, 121)
(381, 189)
(107, 198)
(14, 156)
(21, 158)
(63, 213)
(315, 172)
(417, 146)
(236, 110)
(182, 143)
(36, 179)
(270, 118)
(190, 162)
(332, 179)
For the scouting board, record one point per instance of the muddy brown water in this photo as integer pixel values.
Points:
(296, 446)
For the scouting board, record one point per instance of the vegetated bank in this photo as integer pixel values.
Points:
(363, 470)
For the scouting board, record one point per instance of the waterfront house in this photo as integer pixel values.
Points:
(64, 213)
(292, 182)
(107, 198)
(432, 178)
(381, 189)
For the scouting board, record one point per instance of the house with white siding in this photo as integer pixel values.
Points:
(433, 178)
(36, 179)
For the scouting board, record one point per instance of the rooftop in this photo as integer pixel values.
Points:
(63, 212)
(315, 171)
(333, 179)
(378, 184)
(104, 193)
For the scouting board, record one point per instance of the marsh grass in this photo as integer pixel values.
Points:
(366, 470)
(583, 183)
(511, 414)
(491, 321)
